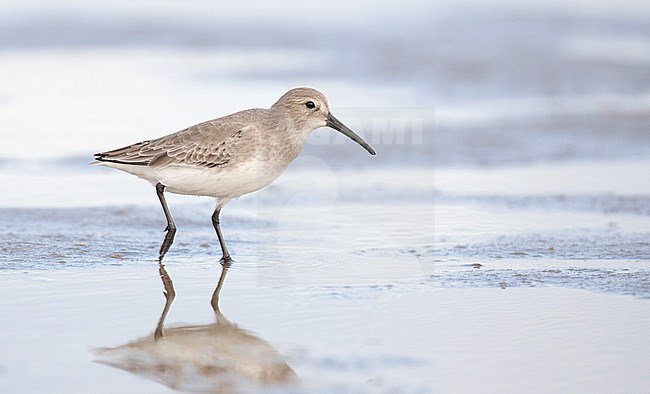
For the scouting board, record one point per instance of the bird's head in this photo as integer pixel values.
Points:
(307, 109)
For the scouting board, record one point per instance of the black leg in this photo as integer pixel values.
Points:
(171, 227)
(225, 258)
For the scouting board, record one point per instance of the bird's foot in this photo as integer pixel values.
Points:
(226, 260)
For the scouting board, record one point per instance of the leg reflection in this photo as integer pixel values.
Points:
(169, 298)
(215, 296)
(170, 294)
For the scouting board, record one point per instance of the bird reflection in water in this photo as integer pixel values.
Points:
(218, 357)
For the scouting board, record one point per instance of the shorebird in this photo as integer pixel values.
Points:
(229, 156)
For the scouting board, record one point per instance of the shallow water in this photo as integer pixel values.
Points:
(499, 241)
(364, 333)
(373, 281)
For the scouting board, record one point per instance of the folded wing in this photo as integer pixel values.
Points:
(202, 145)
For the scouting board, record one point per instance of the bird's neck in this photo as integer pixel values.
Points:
(287, 138)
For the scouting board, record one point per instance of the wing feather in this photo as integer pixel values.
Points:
(210, 144)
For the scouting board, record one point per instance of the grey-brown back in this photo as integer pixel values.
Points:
(211, 144)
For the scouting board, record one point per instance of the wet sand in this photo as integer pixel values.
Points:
(397, 283)
(355, 327)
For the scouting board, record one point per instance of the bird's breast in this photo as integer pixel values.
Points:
(231, 181)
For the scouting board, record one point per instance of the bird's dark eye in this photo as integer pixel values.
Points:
(310, 105)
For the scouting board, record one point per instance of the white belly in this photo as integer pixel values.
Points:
(228, 182)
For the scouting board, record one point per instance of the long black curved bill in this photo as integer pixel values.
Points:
(343, 129)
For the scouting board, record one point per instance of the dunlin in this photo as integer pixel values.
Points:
(229, 156)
